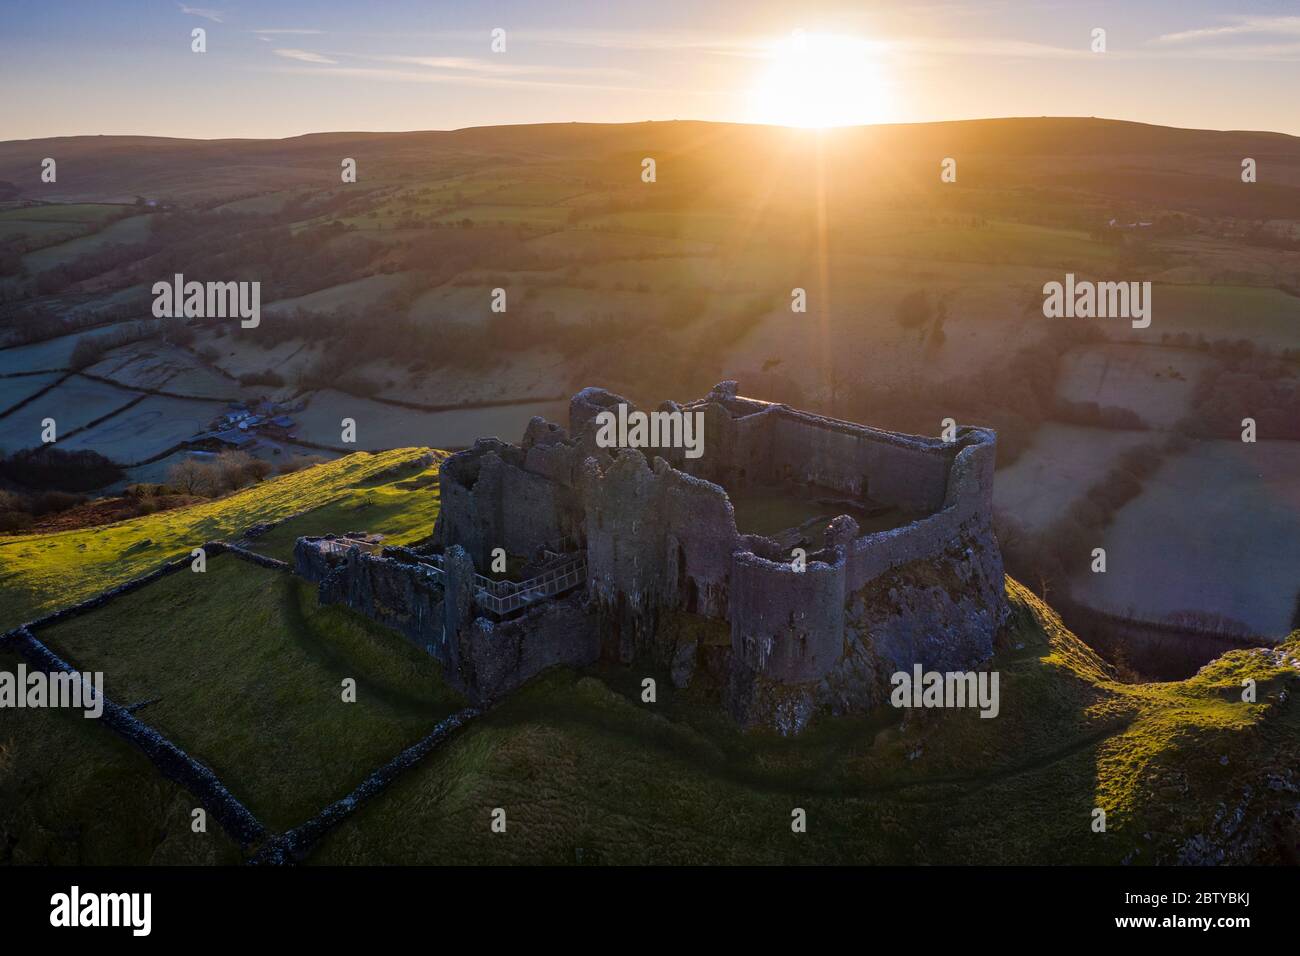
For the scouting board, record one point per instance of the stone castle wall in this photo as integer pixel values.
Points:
(437, 613)
(663, 536)
(787, 624)
(404, 596)
(750, 440)
(660, 535)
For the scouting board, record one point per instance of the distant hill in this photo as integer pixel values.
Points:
(1196, 170)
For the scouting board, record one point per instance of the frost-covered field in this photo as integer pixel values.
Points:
(1216, 529)
(147, 429)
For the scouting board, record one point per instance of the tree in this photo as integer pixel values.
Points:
(914, 309)
(187, 476)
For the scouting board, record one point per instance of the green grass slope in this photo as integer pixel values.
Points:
(41, 573)
(245, 672)
(587, 773)
(72, 793)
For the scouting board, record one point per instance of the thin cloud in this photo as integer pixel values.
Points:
(306, 56)
(761, 46)
(465, 79)
(1280, 52)
(1243, 26)
(207, 13)
(493, 67)
(993, 46)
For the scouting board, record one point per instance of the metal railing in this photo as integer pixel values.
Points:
(342, 545)
(505, 597)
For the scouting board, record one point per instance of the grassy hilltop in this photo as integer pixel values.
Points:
(384, 492)
(242, 668)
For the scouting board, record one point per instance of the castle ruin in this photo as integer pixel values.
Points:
(791, 568)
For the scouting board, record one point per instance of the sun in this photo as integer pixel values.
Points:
(817, 80)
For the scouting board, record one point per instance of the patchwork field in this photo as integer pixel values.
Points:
(340, 298)
(993, 242)
(241, 666)
(239, 353)
(49, 355)
(91, 214)
(1216, 531)
(587, 243)
(156, 365)
(861, 339)
(122, 232)
(517, 376)
(53, 224)
(150, 428)
(72, 404)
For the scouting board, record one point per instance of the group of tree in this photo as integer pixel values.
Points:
(218, 475)
(47, 467)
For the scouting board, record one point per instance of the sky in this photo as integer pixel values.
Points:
(276, 69)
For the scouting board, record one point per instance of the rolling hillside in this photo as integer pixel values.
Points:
(244, 671)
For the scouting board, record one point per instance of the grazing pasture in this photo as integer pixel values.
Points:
(80, 212)
(73, 793)
(533, 374)
(1267, 317)
(123, 232)
(158, 366)
(245, 672)
(237, 353)
(49, 355)
(1154, 382)
(348, 296)
(45, 571)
